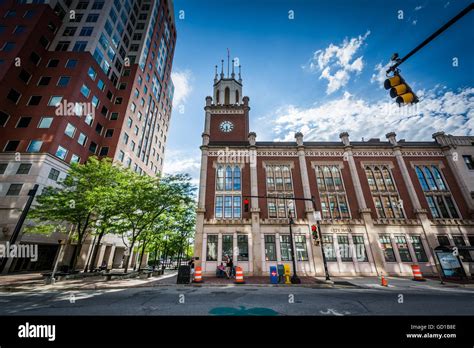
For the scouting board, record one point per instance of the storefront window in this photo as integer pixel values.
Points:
(418, 248)
(285, 248)
(403, 248)
(227, 246)
(359, 246)
(328, 247)
(301, 251)
(211, 254)
(344, 248)
(243, 245)
(386, 245)
(459, 242)
(270, 248)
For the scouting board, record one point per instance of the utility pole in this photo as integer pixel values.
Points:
(294, 278)
(326, 272)
(19, 224)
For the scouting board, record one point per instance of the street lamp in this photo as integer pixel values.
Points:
(294, 278)
(321, 240)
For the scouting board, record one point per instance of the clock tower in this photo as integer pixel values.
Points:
(227, 111)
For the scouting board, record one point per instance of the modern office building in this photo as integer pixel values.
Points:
(384, 204)
(81, 78)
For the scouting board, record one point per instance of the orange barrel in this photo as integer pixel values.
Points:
(239, 275)
(198, 275)
(417, 273)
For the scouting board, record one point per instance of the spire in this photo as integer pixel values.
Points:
(233, 73)
(215, 74)
(240, 77)
(228, 62)
(222, 70)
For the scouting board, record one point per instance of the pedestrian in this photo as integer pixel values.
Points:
(230, 265)
(191, 266)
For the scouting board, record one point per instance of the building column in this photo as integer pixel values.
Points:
(365, 212)
(256, 251)
(420, 213)
(316, 252)
(110, 261)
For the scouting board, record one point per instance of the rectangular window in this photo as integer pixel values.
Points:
(12, 145)
(420, 253)
(285, 247)
(86, 31)
(443, 241)
(71, 63)
(34, 146)
(92, 74)
(328, 246)
(75, 159)
(14, 190)
(63, 81)
(23, 122)
(468, 161)
(24, 168)
(55, 101)
(211, 254)
(300, 246)
(85, 91)
(70, 130)
(3, 167)
(387, 248)
(382, 186)
(53, 174)
(270, 247)
(403, 248)
(219, 207)
(243, 246)
(228, 207)
(227, 246)
(79, 46)
(61, 152)
(344, 248)
(34, 100)
(279, 183)
(359, 246)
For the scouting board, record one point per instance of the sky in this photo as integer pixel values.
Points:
(318, 67)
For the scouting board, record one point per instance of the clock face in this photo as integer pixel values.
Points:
(226, 126)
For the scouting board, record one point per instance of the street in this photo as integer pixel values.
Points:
(368, 299)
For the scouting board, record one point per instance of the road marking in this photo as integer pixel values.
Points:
(334, 312)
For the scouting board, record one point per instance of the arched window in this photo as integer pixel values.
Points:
(430, 178)
(236, 178)
(287, 178)
(388, 179)
(220, 179)
(337, 178)
(371, 179)
(439, 179)
(217, 97)
(237, 97)
(331, 192)
(328, 178)
(379, 179)
(421, 179)
(228, 178)
(270, 179)
(227, 96)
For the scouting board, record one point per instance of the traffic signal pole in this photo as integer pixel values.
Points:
(313, 201)
(431, 37)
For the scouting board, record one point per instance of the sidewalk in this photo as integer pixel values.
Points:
(400, 283)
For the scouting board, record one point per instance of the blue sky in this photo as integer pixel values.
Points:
(320, 71)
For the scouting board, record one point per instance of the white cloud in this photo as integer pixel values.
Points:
(418, 8)
(380, 74)
(414, 22)
(447, 4)
(438, 109)
(180, 162)
(182, 85)
(337, 62)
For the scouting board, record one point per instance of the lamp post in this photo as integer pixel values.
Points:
(326, 272)
(294, 278)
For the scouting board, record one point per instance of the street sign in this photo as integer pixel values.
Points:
(317, 215)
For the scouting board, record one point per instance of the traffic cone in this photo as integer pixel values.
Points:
(384, 281)
(239, 276)
(417, 273)
(198, 275)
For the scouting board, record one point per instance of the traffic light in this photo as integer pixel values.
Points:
(314, 231)
(246, 205)
(400, 90)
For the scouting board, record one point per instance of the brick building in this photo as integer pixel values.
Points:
(384, 204)
(81, 78)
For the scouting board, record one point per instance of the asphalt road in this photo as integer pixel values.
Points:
(241, 300)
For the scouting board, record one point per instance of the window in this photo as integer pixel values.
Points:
(53, 174)
(71, 63)
(82, 139)
(34, 146)
(10, 14)
(121, 156)
(14, 190)
(19, 29)
(104, 151)
(63, 81)
(92, 18)
(109, 133)
(98, 5)
(384, 193)
(125, 141)
(459, 242)
(69, 31)
(344, 248)
(44, 80)
(328, 247)
(359, 246)
(3, 167)
(92, 147)
(436, 192)
(8, 46)
(243, 246)
(34, 100)
(70, 130)
(331, 192)
(387, 248)
(3, 118)
(53, 63)
(35, 58)
(85, 91)
(63, 45)
(403, 248)
(82, 5)
(12, 145)
(300, 246)
(24, 168)
(114, 116)
(227, 246)
(92, 74)
(25, 76)
(285, 247)
(55, 101)
(228, 207)
(23, 122)
(61, 152)
(443, 241)
(469, 162)
(211, 254)
(79, 46)
(270, 247)
(420, 253)
(100, 85)
(279, 184)
(29, 14)
(14, 95)
(88, 119)
(99, 128)
(86, 31)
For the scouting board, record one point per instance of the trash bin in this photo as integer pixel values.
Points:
(281, 273)
(273, 275)
(184, 275)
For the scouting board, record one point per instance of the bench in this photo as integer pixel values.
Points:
(145, 274)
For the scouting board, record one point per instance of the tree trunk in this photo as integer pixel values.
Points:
(96, 250)
(129, 255)
(90, 255)
(141, 256)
